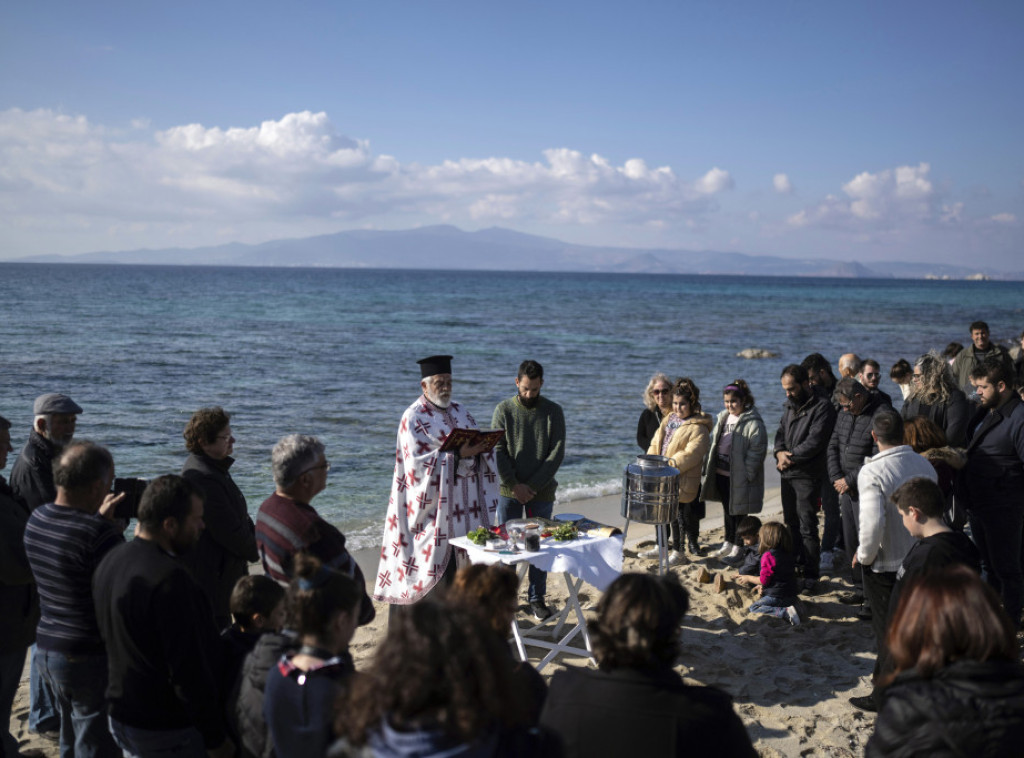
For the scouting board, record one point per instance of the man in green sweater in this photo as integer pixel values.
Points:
(528, 458)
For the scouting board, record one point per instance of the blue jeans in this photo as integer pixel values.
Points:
(771, 605)
(510, 508)
(42, 709)
(157, 743)
(11, 666)
(80, 683)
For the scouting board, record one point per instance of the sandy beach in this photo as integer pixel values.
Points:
(790, 684)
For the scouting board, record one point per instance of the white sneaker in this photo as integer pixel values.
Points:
(792, 616)
(827, 562)
(675, 558)
(652, 553)
(725, 549)
(734, 553)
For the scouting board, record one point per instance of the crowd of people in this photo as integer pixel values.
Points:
(163, 643)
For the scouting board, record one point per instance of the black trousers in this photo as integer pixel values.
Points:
(878, 591)
(799, 509)
(851, 535)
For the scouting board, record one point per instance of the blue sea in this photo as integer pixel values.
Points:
(332, 352)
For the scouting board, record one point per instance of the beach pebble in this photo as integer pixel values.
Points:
(756, 352)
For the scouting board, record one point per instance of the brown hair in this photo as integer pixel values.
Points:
(687, 389)
(948, 615)
(318, 594)
(204, 426)
(252, 594)
(488, 591)
(920, 493)
(437, 668)
(921, 433)
(741, 389)
(638, 621)
(775, 536)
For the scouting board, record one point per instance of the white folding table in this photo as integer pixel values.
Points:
(594, 560)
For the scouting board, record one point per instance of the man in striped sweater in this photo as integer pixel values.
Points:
(286, 522)
(64, 542)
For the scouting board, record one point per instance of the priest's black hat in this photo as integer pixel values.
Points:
(435, 364)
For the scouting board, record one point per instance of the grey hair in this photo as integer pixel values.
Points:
(649, 400)
(292, 456)
(4, 423)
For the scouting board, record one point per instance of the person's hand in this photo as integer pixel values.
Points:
(783, 460)
(110, 503)
(226, 749)
(841, 486)
(471, 451)
(523, 493)
(760, 590)
(853, 563)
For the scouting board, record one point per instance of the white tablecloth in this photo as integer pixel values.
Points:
(595, 560)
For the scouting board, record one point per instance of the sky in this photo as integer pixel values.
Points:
(850, 131)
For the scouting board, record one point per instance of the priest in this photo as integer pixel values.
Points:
(435, 496)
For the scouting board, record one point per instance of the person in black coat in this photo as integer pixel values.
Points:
(935, 396)
(19, 603)
(992, 481)
(228, 544)
(958, 686)
(657, 402)
(636, 704)
(801, 446)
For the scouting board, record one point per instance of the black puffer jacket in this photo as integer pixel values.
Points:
(951, 416)
(245, 705)
(804, 432)
(968, 709)
(851, 443)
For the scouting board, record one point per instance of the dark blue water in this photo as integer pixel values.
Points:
(333, 353)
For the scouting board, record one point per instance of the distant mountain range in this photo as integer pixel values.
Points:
(447, 247)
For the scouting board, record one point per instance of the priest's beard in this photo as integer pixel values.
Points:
(440, 399)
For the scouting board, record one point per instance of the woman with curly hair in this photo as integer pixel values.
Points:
(635, 703)
(927, 439)
(934, 395)
(657, 402)
(490, 592)
(228, 543)
(958, 685)
(440, 685)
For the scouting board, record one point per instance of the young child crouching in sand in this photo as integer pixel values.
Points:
(749, 560)
(776, 582)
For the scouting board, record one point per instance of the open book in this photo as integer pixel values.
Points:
(459, 437)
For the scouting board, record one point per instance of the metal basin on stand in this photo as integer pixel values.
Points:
(650, 495)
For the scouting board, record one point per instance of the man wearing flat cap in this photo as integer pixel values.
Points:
(32, 481)
(435, 496)
(53, 428)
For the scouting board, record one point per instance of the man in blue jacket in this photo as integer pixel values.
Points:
(993, 480)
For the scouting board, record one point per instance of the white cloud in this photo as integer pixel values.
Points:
(888, 199)
(714, 181)
(1003, 218)
(782, 184)
(64, 174)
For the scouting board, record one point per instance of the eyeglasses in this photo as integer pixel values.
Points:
(326, 466)
(225, 437)
(873, 376)
(660, 392)
(916, 377)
